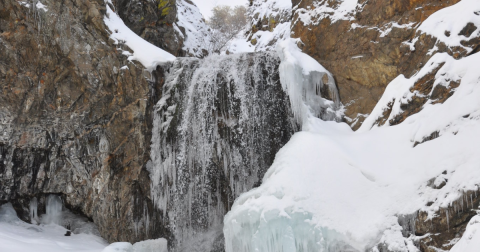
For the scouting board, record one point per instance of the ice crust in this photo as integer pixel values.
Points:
(332, 189)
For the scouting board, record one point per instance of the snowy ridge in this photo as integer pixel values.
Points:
(470, 242)
(195, 29)
(144, 52)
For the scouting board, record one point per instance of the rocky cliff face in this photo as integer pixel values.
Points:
(366, 44)
(73, 116)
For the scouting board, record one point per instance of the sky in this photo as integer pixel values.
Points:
(207, 5)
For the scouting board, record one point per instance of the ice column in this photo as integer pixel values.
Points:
(54, 210)
(33, 210)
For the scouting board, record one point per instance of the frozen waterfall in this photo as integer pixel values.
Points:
(217, 128)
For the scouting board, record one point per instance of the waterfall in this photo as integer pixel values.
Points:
(216, 130)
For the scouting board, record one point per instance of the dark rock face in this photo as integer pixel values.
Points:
(71, 122)
(153, 21)
(363, 59)
(217, 128)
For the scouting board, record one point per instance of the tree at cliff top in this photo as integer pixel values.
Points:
(225, 24)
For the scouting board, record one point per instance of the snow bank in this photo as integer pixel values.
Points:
(144, 52)
(18, 236)
(332, 189)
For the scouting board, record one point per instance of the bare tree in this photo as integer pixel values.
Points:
(225, 24)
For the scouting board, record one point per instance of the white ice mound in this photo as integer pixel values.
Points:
(305, 81)
(332, 189)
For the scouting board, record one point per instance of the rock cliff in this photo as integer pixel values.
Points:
(73, 116)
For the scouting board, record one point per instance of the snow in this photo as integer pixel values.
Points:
(453, 19)
(267, 40)
(144, 52)
(332, 189)
(470, 242)
(18, 236)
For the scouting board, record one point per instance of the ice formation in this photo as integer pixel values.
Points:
(216, 128)
(33, 207)
(158, 245)
(307, 84)
(54, 210)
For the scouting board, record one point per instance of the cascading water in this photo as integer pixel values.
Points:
(216, 131)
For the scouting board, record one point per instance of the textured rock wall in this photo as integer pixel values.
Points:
(72, 120)
(369, 48)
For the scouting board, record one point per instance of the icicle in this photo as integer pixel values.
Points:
(448, 221)
(471, 200)
(54, 208)
(33, 206)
